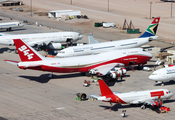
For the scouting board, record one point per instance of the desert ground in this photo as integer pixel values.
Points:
(136, 10)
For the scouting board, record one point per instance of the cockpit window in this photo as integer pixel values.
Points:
(154, 74)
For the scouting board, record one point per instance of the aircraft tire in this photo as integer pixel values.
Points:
(88, 74)
(143, 107)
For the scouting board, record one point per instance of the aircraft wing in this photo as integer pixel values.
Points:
(39, 42)
(145, 101)
(104, 69)
(12, 62)
(102, 98)
(16, 63)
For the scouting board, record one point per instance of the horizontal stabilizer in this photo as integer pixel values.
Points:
(12, 62)
(102, 98)
(104, 69)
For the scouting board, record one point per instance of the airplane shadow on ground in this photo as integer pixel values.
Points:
(116, 107)
(12, 30)
(2, 50)
(45, 79)
(140, 68)
(172, 82)
(110, 82)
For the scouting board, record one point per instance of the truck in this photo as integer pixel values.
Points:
(109, 24)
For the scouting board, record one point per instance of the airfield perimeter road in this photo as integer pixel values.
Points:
(31, 95)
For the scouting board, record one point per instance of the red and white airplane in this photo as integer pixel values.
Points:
(147, 97)
(100, 64)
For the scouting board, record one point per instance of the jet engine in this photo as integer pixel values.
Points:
(92, 71)
(117, 72)
(122, 71)
(158, 103)
(54, 46)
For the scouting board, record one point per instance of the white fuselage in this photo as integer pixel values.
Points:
(7, 25)
(137, 97)
(40, 38)
(102, 47)
(163, 74)
(85, 63)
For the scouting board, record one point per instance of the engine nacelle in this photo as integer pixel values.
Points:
(122, 71)
(54, 46)
(92, 71)
(114, 74)
(158, 103)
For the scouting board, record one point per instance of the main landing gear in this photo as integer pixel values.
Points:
(51, 75)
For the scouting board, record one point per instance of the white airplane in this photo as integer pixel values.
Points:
(147, 97)
(163, 74)
(101, 64)
(9, 25)
(97, 47)
(52, 40)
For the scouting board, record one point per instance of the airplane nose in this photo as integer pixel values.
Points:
(150, 77)
(80, 36)
(172, 94)
(150, 55)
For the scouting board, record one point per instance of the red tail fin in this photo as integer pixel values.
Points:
(105, 90)
(26, 52)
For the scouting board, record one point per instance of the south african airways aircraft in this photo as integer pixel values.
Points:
(96, 47)
(102, 64)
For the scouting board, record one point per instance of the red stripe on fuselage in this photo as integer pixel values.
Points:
(137, 59)
(157, 93)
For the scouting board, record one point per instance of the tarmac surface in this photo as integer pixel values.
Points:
(27, 94)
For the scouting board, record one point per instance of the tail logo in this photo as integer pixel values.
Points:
(26, 52)
(157, 20)
(152, 29)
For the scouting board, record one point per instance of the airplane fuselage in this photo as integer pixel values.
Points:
(85, 63)
(102, 47)
(135, 97)
(163, 74)
(40, 38)
(10, 25)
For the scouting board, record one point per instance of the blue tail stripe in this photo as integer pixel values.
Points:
(146, 34)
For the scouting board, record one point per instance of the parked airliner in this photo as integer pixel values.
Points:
(9, 25)
(52, 40)
(147, 97)
(164, 74)
(102, 64)
(97, 48)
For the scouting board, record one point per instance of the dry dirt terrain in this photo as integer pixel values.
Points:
(136, 10)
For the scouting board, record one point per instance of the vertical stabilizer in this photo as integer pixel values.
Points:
(105, 90)
(152, 29)
(26, 52)
(92, 40)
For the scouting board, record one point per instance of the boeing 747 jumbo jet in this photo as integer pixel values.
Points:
(96, 48)
(52, 40)
(9, 25)
(100, 64)
(163, 74)
(147, 97)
